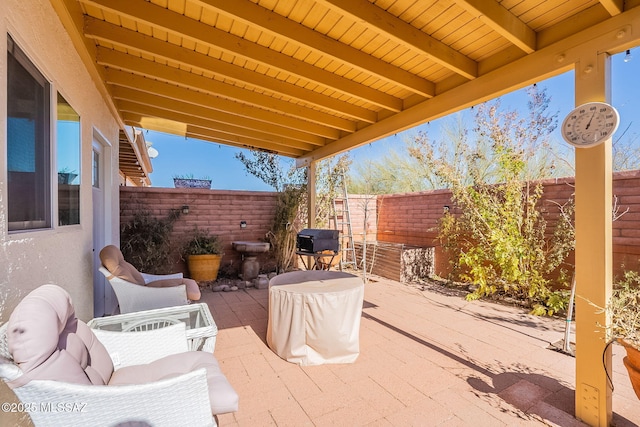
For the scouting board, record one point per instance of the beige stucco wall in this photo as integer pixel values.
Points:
(61, 255)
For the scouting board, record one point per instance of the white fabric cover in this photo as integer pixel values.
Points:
(314, 317)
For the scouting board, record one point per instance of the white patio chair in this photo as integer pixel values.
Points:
(68, 378)
(137, 291)
(133, 297)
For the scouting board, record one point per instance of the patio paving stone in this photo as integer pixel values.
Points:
(427, 358)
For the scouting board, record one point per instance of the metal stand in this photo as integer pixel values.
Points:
(315, 256)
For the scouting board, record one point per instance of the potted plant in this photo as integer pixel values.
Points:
(189, 181)
(203, 252)
(624, 311)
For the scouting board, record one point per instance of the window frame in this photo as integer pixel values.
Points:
(43, 149)
(76, 214)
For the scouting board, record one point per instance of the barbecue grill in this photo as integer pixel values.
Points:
(312, 240)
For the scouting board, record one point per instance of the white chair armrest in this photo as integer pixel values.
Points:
(9, 371)
(181, 400)
(140, 347)
(153, 277)
(133, 297)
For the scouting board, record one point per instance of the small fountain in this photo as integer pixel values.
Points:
(250, 266)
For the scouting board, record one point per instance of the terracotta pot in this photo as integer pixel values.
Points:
(632, 363)
(203, 268)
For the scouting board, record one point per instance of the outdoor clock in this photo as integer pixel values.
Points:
(590, 124)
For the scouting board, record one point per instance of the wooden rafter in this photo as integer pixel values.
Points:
(278, 25)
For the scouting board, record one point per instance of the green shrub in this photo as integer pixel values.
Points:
(144, 240)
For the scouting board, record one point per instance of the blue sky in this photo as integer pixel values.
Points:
(186, 156)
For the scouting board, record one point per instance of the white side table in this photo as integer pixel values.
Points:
(201, 329)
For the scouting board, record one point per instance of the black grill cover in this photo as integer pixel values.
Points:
(317, 240)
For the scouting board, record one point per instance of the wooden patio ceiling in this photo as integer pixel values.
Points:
(311, 78)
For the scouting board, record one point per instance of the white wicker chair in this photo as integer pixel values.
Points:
(137, 291)
(180, 400)
(133, 297)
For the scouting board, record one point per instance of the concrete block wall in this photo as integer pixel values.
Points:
(364, 216)
(409, 219)
(626, 229)
(217, 211)
(412, 218)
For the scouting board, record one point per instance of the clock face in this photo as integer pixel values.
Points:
(590, 124)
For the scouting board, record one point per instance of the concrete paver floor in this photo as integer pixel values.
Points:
(427, 358)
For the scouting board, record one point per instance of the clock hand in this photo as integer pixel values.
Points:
(589, 124)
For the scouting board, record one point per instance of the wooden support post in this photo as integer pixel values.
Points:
(593, 216)
(311, 202)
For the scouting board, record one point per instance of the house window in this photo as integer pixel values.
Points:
(95, 169)
(68, 158)
(28, 143)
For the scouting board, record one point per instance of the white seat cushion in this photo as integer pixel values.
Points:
(222, 396)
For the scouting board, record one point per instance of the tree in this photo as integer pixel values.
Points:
(331, 174)
(394, 173)
(272, 169)
(291, 185)
(468, 149)
(626, 152)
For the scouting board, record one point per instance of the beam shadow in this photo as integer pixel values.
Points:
(533, 394)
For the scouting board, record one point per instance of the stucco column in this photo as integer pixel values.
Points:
(593, 252)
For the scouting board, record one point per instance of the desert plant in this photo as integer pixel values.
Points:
(497, 239)
(202, 243)
(145, 240)
(623, 310)
(292, 189)
(189, 181)
(286, 225)
(190, 176)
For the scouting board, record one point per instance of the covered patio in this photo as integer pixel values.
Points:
(311, 79)
(427, 357)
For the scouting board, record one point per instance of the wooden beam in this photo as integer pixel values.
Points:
(614, 7)
(295, 128)
(100, 30)
(183, 26)
(193, 131)
(608, 36)
(283, 28)
(405, 33)
(192, 114)
(503, 22)
(182, 78)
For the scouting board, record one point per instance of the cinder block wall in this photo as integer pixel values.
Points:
(412, 218)
(409, 219)
(217, 211)
(626, 229)
(364, 217)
